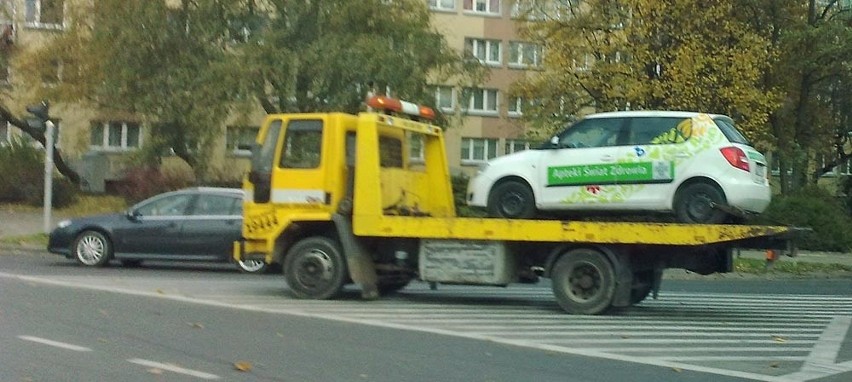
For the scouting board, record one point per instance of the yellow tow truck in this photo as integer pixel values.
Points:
(336, 198)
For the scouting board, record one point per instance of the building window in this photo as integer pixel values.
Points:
(45, 13)
(523, 54)
(515, 145)
(239, 139)
(445, 98)
(515, 106)
(486, 51)
(475, 150)
(442, 5)
(481, 101)
(483, 6)
(115, 135)
(416, 148)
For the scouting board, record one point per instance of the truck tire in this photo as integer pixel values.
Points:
(513, 200)
(315, 268)
(694, 203)
(583, 281)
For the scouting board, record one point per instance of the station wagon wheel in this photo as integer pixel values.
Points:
(583, 281)
(252, 266)
(315, 268)
(512, 199)
(695, 203)
(92, 248)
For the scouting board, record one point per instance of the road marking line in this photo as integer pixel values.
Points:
(730, 358)
(821, 362)
(58, 344)
(306, 311)
(173, 368)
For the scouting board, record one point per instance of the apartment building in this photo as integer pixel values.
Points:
(489, 123)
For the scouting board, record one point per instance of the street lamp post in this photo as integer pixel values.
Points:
(42, 122)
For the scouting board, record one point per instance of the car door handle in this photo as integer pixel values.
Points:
(682, 155)
(607, 158)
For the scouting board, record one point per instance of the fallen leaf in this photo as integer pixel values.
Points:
(242, 365)
(155, 371)
(279, 334)
(677, 370)
(160, 291)
(775, 365)
(103, 312)
(363, 376)
(196, 325)
(779, 339)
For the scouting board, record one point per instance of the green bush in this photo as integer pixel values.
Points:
(22, 169)
(817, 209)
(459, 197)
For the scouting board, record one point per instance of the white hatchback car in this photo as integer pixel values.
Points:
(697, 166)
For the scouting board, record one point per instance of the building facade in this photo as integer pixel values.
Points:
(488, 122)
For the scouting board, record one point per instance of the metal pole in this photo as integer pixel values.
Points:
(48, 173)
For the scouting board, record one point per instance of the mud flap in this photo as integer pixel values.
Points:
(623, 278)
(361, 267)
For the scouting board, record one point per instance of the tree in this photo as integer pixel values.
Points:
(647, 54)
(327, 55)
(184, 67)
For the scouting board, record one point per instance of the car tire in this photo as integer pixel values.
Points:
(694, 204)
(252, 266)
(315, 268)
(92, 248)
(513, 200)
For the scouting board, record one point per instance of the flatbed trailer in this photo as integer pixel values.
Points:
(336, 198)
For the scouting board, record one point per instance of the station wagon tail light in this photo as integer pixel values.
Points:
(398, 106)
(736, 157)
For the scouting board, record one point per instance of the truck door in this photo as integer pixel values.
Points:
(263, 161)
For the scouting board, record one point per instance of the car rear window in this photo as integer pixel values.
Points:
(731, 132)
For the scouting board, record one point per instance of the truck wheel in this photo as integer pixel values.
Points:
(315, 268)
(694, 203)
(513, 200)
(92, 248)
(583, 282)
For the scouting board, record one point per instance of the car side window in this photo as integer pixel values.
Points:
(654, 130)
(594, 132)
(302, 144)
(172, 205)
(218, 205)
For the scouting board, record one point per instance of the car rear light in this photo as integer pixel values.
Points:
(736, 157)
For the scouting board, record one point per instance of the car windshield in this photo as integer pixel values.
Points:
(731, 132)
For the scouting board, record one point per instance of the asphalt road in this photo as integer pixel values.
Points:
(176, 323)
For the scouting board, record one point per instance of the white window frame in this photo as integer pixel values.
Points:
(510, 146)
(416, 148)
(229, 144)
(439, 97)
(489, 144)
(482, 7)
(515, 107)
(35, 20)
(489, 107)
(105, 138)
(441, 5)
(488, 47)
(519, 49)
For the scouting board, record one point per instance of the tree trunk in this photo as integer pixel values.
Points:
(59, 162)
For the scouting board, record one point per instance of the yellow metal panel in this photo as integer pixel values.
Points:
(557, 231)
